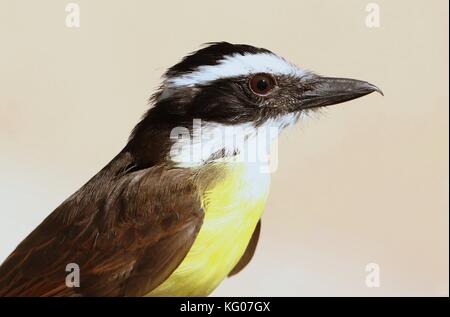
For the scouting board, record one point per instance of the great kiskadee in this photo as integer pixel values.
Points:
(173, 215)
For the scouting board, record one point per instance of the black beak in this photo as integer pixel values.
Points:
(326, 91)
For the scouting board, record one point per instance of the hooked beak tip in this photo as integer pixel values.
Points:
(328, 91)
(375, 88)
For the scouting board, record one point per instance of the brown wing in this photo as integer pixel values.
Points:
(249, 252)
(127, 234)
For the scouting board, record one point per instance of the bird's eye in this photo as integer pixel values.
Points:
(262, 84)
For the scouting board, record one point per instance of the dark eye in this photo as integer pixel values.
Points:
(262, 84)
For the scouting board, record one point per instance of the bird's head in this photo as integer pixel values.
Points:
(234, 84)
(229, 85)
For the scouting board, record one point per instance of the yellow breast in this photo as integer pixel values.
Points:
(232, 207)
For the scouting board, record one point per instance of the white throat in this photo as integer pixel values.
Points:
(212, 142)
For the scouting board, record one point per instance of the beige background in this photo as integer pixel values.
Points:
(364, 182)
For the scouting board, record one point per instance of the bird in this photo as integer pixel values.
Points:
(179, 208)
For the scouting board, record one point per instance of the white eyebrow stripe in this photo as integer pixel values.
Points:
(238, 65)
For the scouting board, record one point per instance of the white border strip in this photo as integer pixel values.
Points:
(238, 65)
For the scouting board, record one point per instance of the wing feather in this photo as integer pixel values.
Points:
(127, 233)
